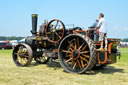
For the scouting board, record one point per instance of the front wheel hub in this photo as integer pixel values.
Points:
(22, 55)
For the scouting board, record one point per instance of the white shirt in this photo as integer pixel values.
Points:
(102, 25)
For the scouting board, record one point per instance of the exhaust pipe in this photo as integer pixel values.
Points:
(34, 24)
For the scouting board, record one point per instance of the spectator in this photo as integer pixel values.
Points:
(101, 28)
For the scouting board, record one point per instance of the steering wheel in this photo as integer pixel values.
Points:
(55, 31)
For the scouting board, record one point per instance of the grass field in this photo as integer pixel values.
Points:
(53, 74)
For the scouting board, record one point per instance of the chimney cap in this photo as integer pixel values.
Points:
(34, 15)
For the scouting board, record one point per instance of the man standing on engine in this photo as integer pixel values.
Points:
(101, 28)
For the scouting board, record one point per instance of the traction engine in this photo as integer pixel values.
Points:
(73, 47)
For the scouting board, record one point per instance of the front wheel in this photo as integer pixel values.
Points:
(22, 55)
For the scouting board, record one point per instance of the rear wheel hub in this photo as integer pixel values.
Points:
(75, 54)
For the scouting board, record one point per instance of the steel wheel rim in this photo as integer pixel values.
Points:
(79, 62)
(22, 55)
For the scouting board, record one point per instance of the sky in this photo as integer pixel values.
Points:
(15, 15)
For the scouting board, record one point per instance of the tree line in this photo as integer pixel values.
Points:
(10, 38)
(19, 38)
(124, 40)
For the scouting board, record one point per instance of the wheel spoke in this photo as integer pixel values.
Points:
(26, 56)
(68, 60)
(40, 58)
(74, 65)
(56, 25)
(26, 52)
(25, 60)
(80, 46)
(21, 61)
(23, 50)
(57, 35)
(67, 51)
(75, 44)
(52, 36)
(84, 52)
(84, 47)
(44, 58)
(71, 49)
(82, 63)
(49, 32)
(51, 26)
(86, 56)
(79, 64)
(85, 65)
(71, 44)
(78, 42)
(84, 59)
(20, 48)
(17, 59)
(69, 55)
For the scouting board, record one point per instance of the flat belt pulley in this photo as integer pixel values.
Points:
(55, 30)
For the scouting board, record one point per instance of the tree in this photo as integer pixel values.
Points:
(125, 40)
(2, 38)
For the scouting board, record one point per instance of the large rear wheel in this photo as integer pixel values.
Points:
(77, 54)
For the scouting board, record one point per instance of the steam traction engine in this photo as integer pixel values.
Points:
(75, 50)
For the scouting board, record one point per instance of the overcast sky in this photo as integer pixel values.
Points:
(15, 15)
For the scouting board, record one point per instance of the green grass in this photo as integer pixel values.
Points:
(53, 74)
(124, 56)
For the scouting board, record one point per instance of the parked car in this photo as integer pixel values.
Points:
(5, 45)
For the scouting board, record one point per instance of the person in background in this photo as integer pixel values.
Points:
(94, 24)
(91, 30)
(101, 28)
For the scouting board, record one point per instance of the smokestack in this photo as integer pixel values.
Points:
(34, 24)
